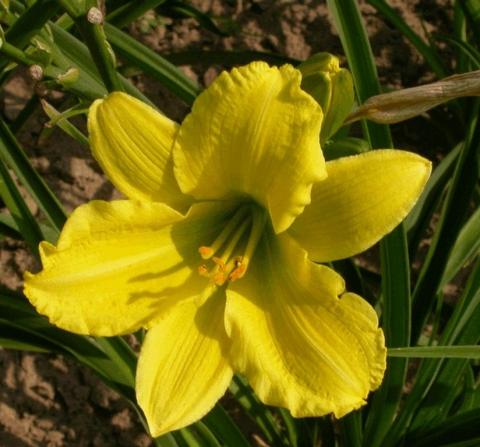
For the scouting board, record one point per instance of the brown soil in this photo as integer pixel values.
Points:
(46, 400)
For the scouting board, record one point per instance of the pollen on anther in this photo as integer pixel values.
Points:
(219, 262)
(219, 278)
(238, 272)
(206, 252)
(203, 271)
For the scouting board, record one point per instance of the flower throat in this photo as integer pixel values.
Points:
(228, 266)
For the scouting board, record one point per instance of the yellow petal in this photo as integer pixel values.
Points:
(119, 266)
(133, 144)
(363, 198)
(182, 369)
(298, 344)
(253, 132)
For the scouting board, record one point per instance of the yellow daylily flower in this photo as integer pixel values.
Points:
(214, 251)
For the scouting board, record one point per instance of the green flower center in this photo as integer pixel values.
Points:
(232, 250)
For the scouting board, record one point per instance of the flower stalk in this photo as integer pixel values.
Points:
(90, 24)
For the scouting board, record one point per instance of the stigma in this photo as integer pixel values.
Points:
(230, 253)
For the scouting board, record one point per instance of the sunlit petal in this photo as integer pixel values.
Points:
(299, 344)
(183, 369)
(363, 198)
(119, 266)
(253, 132)
(133, 144)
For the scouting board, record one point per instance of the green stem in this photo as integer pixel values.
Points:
(84, 89)
(14, 54)
(351, 430)
(97, 44)
(26, 223)
(102, 54)
(15, 157)
(71, 8)
(460, 32)
(471, 9)
(29, 24)
(394, 253)
(261, 414)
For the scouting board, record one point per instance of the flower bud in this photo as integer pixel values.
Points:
(41, 51)
(400, 105)
(69, 77)
(36, 72)
(331, 86)
(95, 16)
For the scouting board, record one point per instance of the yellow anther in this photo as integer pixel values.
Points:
(238, 271)
(219, 278)
(232, 265)
(206, 252)
(228, 267)
(203, 271)
(219, 262)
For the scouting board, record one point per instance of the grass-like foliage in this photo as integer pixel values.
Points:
(430, 393)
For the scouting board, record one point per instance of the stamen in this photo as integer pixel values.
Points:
(203, 270)
(206, 252)
(235, 240)
(259, 220)
(228, 267)
(219, 264)
(238, 270)
(219, 278)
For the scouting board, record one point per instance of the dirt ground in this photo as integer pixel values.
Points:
(48, 401)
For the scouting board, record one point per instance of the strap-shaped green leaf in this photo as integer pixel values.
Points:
(454, 213)
(461, 427)
(430, 56)
(29, 24)
(13, 154)
(394, 253)
(129, 11)
(260, 414)
(25, 222)
(466, 247)
(18, 313)
(462, 328)
(153, 64)
(225, 428)
(436, 352)
(419, 218)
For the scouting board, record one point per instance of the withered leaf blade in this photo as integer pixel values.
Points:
(400, 105)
